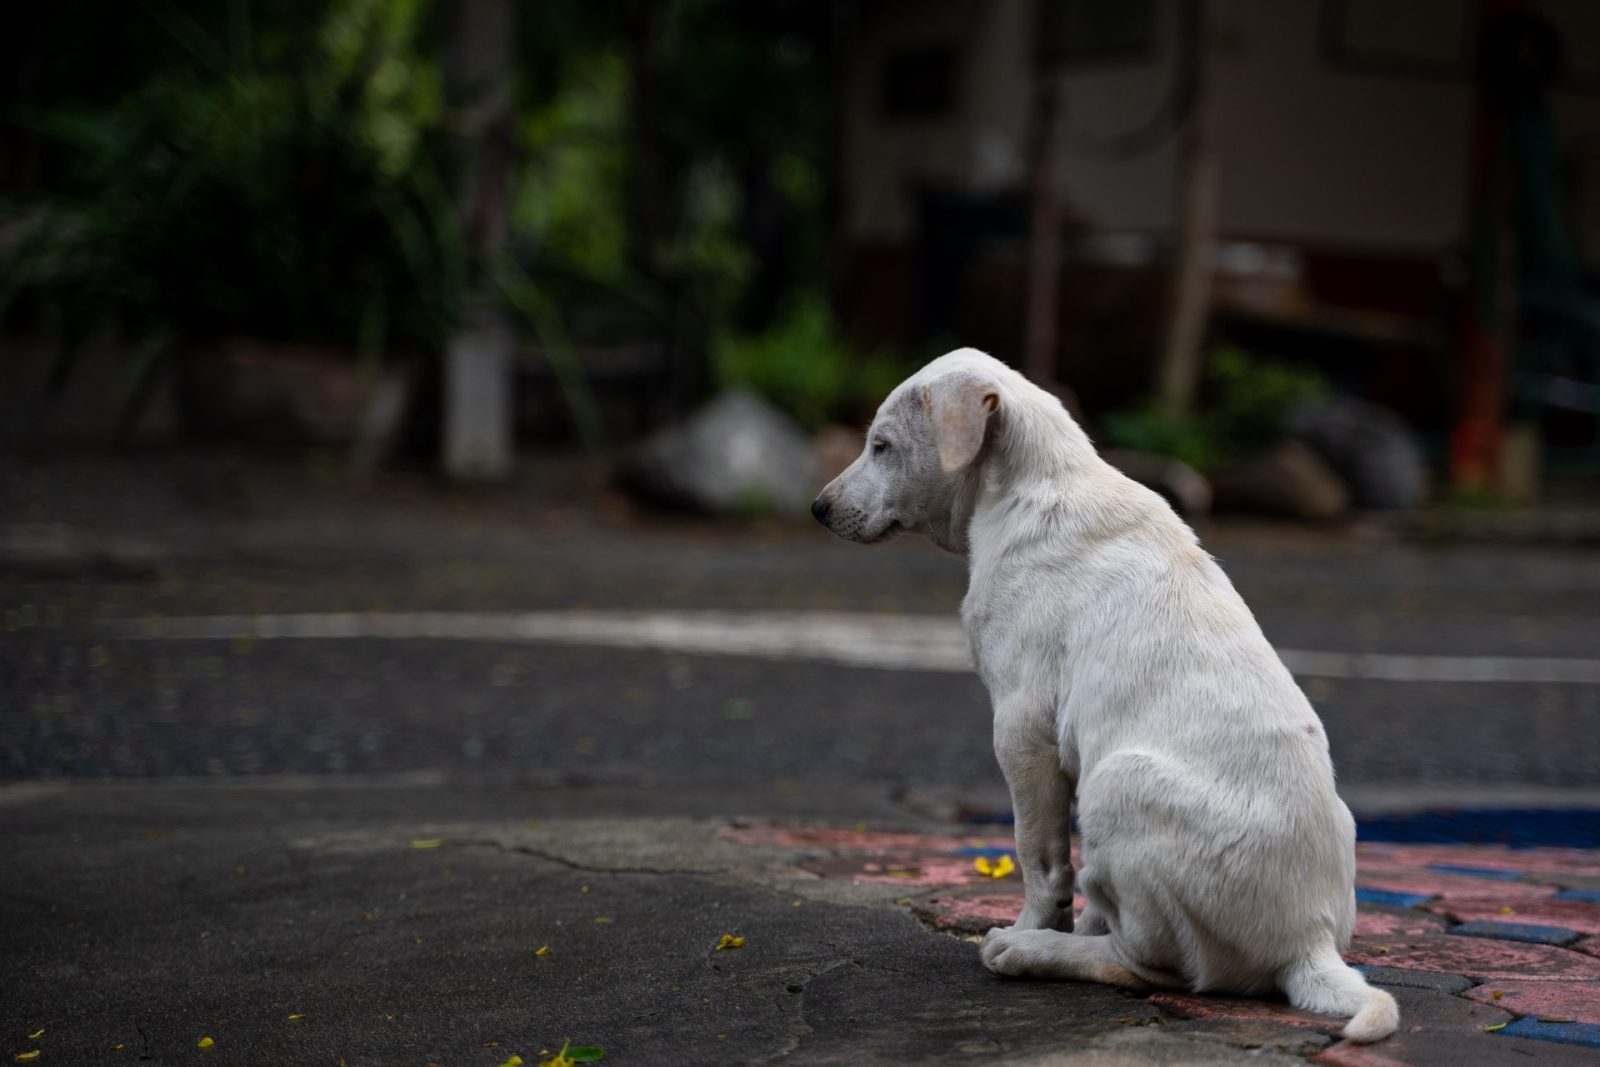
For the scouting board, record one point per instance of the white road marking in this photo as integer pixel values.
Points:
(891, 642)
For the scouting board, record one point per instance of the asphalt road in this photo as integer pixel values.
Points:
(92, 541)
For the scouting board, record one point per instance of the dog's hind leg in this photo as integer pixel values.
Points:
(1052, 954)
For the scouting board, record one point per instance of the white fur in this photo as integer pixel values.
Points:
(1128, 675)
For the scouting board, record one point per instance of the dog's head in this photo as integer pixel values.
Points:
(919, 469)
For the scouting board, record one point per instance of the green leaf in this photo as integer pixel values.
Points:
(586, 1053)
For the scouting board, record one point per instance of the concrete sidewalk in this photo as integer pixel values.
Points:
(405, 921)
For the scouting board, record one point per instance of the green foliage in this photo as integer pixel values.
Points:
(283, 186)
(569, 199)
(1249, 396)
(1152, 428)
(1245, 402)
(802, 365)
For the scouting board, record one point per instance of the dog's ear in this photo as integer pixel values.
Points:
(958, 407)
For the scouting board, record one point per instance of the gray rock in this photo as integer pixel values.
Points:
(1289, 481)
(737, 455)
(1371, 448)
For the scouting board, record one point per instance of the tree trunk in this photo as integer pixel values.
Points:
(480, 360)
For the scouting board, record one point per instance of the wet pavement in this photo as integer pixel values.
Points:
(206, 837)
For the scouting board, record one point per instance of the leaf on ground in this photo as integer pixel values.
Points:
(728, 941)
(542, 950)
(1494, 1028)
(427, 842)
(204, 1042)
(994, 868)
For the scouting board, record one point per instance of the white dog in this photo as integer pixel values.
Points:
(1127, 673)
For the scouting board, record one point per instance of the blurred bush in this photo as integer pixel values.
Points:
(286, 184)
(1245, 405)
(803, 365)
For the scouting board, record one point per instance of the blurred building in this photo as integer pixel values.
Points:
(1342, 135)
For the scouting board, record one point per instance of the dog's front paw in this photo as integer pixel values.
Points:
(1015, 952)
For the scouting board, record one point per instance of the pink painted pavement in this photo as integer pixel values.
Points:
(1576, 1001)
(1560, 985)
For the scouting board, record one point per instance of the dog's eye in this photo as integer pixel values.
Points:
(879, 447)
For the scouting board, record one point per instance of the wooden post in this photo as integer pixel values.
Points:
(1488, 307)
(1189, 295)
(1042, 315)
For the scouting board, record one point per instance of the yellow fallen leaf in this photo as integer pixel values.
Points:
(728, 941)
(583, 889)
(1492, 1029)
(24, 1057)
(416, 940)
(514, 1061)
(204, 1042)
(37, 1034)
(994, 868)
(1504, 910)
(602, 920)
(427, 842)
(542, 950)
(1498, 993)
(296, 1017)
(560, 1059)
(117, 1047)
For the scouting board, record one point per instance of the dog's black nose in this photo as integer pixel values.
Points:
(819, 509)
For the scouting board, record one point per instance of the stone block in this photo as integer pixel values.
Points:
(1529, 932)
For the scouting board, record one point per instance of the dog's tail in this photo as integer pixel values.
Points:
(1320, 981)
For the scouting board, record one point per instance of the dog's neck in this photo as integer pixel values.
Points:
(1041, 473)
